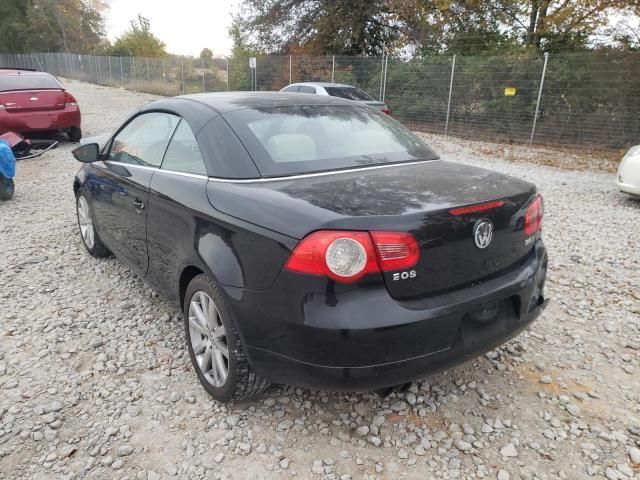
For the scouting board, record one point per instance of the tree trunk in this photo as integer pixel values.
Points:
(540, 26)
(533, 18)
(60, 22)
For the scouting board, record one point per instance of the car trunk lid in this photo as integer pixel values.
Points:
(415, 198)
(32, 100)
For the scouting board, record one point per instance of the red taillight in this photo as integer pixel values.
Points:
(347, 256)
(396, 250)
(70, 99)
(480, 207)
(533, 216)
(387, 111)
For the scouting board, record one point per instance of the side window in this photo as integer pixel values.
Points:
(306, 89)
(291, 89)
(144, 139)
(183, 154)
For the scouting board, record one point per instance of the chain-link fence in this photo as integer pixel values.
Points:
(588, 98)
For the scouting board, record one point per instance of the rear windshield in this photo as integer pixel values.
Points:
(350, 93)
(28, 82)
(291, 140)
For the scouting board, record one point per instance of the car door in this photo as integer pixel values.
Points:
(120, 185)
(176, 196)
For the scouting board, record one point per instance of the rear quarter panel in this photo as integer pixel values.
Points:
(184, 230)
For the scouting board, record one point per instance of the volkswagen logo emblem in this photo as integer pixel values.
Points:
(483, 232)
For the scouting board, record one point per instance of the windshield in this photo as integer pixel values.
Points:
(350, 93)
(28, 82)
(290, 140)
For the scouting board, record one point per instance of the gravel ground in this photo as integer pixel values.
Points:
(95, 381)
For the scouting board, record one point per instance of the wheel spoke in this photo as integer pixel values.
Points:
(197, 309)
(199, 346)
(222, 348)
(219, 333)
(221, 366)
(206, 360)
(196, 325)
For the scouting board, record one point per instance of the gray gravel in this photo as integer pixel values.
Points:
(95, 381)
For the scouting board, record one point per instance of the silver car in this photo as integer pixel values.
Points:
(337, 90)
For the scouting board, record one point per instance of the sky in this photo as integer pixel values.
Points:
(186, 26)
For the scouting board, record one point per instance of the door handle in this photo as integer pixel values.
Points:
(139, 204)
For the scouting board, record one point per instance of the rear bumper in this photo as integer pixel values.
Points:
(39, 121)
(362, 338)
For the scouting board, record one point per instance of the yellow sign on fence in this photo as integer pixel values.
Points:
(509, 91)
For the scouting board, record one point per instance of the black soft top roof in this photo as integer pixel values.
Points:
(224, 102)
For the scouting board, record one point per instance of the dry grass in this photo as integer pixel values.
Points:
(563, 157)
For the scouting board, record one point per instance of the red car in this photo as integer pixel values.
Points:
(33, 101)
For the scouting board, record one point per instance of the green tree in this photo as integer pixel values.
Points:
(239, 74)
(206, 57)
(317, 26)
(424, 26)
(13, 14)
(206, 54)
(55, 25)
(557, 24)
(139, 41)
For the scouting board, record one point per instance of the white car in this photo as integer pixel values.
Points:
(337, 90)
(628, 180)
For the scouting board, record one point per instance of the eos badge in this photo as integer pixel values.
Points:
(404, 275)
(483, 233)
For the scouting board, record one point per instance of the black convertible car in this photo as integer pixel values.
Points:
(311, 240)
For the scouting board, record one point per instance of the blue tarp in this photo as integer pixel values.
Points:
(7, 161)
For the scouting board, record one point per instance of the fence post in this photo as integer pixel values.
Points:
(148, 73)
(333, 68)
(381, 78)
(384, 84)
(121, 72)
(204, 88)
(164, 78)
(453, 70)
(182, 70)
(110, 77)
(227, 59)
(289, 69)
(535, 118)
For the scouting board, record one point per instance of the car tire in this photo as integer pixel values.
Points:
(240, 381)
(86, 225)
(75, 134)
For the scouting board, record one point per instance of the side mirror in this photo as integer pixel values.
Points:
(87, 153)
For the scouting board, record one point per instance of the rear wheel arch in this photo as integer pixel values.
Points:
(188, 274)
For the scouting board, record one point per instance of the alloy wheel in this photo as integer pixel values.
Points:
(208, 339)
(85, 222)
